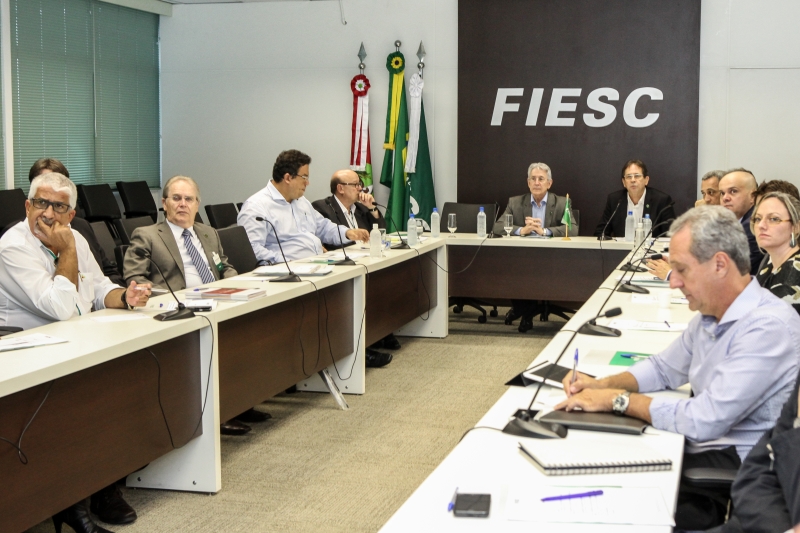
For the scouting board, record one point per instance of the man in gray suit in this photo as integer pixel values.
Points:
(188, 253)
(538, 213)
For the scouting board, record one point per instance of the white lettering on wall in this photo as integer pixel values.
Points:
(594, 103)
(533, 110)
(501, 106)
(557, 106)
(629, 111)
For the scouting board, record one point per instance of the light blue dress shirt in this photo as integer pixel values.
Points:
(741, 371)
(538, 211)
(301, 229)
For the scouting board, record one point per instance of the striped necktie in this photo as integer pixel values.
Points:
(199, 264)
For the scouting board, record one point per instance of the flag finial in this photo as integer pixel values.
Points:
(397, 45)
(421, 56)
(362, 54)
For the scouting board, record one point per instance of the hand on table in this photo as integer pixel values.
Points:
(357, 235)
(137, 295)
(658, 267)
(581, 382)
(532, 225)
(591, 400)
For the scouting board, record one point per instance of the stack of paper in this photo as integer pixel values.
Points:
(28, 341)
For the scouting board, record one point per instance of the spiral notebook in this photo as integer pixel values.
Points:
(567, 457)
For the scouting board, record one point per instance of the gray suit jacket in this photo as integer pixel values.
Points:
(520, 207)
(159, 243)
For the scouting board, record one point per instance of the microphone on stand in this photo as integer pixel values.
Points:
(291, 277)
(629, 266)
(626, 285)
(603, 236)
(591, 327)
(346, 260)
(403, 244)
(490, 234)
(176, 314)
(523, 424)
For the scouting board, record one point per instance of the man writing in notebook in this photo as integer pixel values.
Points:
(739, 354)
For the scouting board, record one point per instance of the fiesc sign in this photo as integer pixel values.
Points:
(605, 112)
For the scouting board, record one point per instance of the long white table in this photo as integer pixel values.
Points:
(488, 461)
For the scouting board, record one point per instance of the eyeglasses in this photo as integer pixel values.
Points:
(188, 199)
(538, 179)
(58, 207)
(357, 185)
(304, 176)
(772, 220)
(710, 192)
(633, 177)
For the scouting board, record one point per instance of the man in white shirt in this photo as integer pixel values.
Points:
(189, 254)
(48, 273)
(300, 228)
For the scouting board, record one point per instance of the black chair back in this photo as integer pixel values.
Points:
(467, 216)
(98, 202)
(119, 255)
(237, 247)
(137, 199)
(125, 226)
(12, 208)
(105, 238)
(198, 218)
(221, 215)
(239, 206)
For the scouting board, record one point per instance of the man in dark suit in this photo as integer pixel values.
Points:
(536, 213)
(188, 253)
(737, 192)
(349, 205)
(637, 197)
(110, 268)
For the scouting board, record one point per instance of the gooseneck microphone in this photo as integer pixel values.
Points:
(291, 277)
(346, 260)
(403, 244)
(603, 236)
(630, 266)
(626, 285)
(590, 327)
(176, 314)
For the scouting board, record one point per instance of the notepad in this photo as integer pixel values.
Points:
(564, 457)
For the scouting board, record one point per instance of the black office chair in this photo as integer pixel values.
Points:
(105, 239)
(12, 208)
(137, 199)
(99, 205)
(237, 248)
(239, 206)
(467, 222)
(198, 218)
(119, 255)
(125, 226)
(221, 215)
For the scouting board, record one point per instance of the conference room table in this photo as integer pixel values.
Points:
(124, 391)
(489, 461)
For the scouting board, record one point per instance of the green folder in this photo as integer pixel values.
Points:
(618, 360)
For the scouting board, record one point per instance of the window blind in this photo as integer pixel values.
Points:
(85, 90)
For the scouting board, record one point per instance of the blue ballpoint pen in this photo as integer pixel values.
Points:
(452, 501)
(573, 496)
(574, 368)
(633, 356)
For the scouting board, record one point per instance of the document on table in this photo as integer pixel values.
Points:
(641, 325)
(119, 317)
(338, 256)
(28, 341)
(300, 270)
(640, 506)
(653, 299)
(644, 278)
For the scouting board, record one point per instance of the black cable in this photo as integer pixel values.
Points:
(300, 336)
(208, 377)
(468, 264)
(18, 445)
(422, 279)
(160, 405)
(478, 427)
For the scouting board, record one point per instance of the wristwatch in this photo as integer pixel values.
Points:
(124, 298)
(620, 403)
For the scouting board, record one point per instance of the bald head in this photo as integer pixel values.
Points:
(736, 190)
(345, 185)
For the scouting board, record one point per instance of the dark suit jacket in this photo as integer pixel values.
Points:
(108, 265)
(755, 253)
(159, 243)
(520, 207)
(654, 202)
(335, 214)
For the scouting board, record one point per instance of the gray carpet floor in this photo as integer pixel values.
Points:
(313, 467)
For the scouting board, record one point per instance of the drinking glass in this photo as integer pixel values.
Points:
(451, 224)
(508, 224)
(384, 239)
(420, 228)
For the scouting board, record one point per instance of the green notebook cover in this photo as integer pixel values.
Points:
(618, 360)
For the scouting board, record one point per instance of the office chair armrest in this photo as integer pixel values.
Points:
(720, 478)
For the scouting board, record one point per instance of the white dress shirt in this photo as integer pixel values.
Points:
(301, 229)
(190, 273)
(349, 214)
(32, 295)
(638, 209)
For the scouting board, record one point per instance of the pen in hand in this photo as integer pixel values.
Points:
(574, 369)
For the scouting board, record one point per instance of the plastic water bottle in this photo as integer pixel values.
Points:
(630, 227)
(375, 242)
(411, 233)
(638, 237)
(648, 225)
(435, 223)
(481, 224)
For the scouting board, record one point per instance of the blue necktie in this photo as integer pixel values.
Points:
(199, 264)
